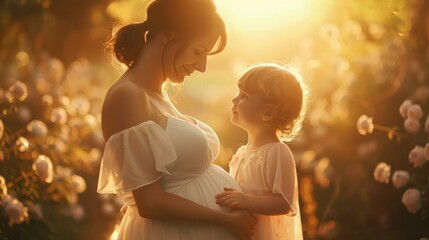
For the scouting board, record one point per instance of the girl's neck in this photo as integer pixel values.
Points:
(261, 137)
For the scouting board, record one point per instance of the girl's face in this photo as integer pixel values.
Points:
(181, 61)
(248, 109)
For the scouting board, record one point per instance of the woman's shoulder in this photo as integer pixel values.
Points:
(125, 105)
(125, 89)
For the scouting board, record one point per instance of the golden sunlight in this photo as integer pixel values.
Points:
(269, 30)
(256, 14)
(115, 233)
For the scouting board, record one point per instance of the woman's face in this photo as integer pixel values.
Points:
(181, 60)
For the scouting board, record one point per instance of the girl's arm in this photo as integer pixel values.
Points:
(271, 204)
(153, 202)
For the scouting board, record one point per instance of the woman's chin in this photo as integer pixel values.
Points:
(177, 80)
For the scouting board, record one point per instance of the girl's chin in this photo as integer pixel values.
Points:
(234, 120)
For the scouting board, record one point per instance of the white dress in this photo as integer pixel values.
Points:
(181, 157)
(266, 170)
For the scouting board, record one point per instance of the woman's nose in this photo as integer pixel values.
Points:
(201, 64)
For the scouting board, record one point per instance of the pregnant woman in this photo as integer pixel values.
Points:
(158, 160)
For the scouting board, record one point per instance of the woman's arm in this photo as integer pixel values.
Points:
(272, 204)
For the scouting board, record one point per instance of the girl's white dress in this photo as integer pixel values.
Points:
(266, 170)
(181, 157)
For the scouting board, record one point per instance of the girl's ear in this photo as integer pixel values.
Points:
(268, 115)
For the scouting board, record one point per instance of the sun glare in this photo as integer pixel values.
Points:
(264, 13)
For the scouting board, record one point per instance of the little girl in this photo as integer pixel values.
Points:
(270, 108)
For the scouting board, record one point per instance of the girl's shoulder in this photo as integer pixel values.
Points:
(274, 152)
(269, 148)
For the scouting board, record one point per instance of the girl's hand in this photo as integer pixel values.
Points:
(124, 208)
(232, 198)
(242, 223)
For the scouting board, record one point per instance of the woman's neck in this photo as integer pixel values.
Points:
(148, 70)
(260, 137)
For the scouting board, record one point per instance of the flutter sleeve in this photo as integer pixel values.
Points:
(280, 175)
(135, 157)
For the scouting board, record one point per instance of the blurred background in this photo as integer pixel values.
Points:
(361, 157)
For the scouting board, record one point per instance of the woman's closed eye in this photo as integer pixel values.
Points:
(199, 51)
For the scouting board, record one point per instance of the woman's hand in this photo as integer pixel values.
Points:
(242, 223)
(232, 198)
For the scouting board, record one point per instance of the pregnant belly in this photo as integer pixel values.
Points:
(204, 188)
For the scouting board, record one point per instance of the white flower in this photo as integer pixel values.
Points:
(412, 126)
(17, 92)
(43, 168)
(411, 200)
(80, 104)
(78, 183)
(417, 157)
(43, 86)
(1, 128)
(62, 172)
(37, 128)
(14, 209)
(365, 125)
(321, 172)
(47, 100)
(59, 115)
(22, 58)
(400, 178)
(308, 161)
(382, 172)
(22, 144)
(427, 125)
(94, 155)
(90, 121)
(403, 109)
(415, 112)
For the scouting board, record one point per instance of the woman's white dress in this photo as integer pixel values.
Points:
(181, 157)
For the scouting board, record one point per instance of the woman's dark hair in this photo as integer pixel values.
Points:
(187, 18)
